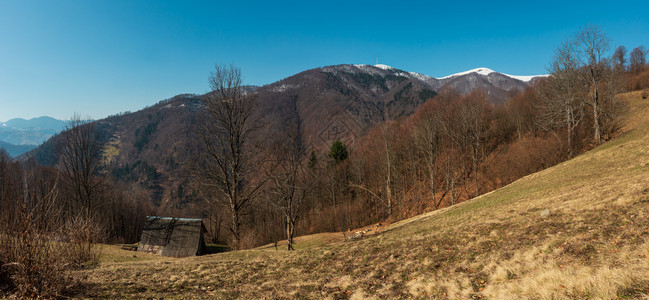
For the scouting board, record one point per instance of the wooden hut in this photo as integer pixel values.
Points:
(175, 237)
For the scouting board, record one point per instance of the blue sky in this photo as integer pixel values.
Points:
(98, 58)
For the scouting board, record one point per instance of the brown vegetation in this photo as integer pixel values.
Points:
(52, 218)
(590, 243)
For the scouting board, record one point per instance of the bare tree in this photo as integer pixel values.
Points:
(80, 162)
(226, 130)
(429, 141)
(387, 167)
(454, 138)
(387, 143)
(473, 110)
(289, 188)
(637, 59)
(619, 57)
(562, 94)
(583, 59)
(592, 46)
(6, 205)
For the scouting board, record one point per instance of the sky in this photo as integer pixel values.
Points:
(98, 58)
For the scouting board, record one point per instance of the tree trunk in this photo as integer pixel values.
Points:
(433, 189)
(450, 182)
(475, 170)
(290, 231)
(597, 135)
(388, 191)
(236, 238)
(569, 122)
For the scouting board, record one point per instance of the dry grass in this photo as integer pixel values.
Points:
(111, 150)
(308, 241)
(593, 244)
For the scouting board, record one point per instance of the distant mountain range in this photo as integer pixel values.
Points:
(15, 150)
(152, 146)
(18, 135)
(36, 123)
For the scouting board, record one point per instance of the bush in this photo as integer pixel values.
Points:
(81, 235)
(36, 263)
(33, 265)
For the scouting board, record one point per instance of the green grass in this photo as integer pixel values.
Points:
(592, 245)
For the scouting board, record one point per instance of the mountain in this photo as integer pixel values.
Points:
(152, 147)
(21, 132)
(15, 150)
(343, 101)
(43, 122)
(495, 84)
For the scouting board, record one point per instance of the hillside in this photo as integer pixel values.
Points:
(151, 147)
(576, 230)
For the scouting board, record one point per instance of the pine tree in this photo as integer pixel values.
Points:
(338, 151)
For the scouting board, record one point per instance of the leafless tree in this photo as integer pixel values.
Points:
(637, 59)
(429, 141)
(388, 144)
(80, 162)
(592, 46)
(619, 57)
(289, 187)
(6, 188)
(215, 220)
(562, 94)
(386, 167)
(473, 110)
(583, 60)
(226, 130)
(454, 143)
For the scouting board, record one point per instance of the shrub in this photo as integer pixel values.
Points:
(33, 265)
(36, 262)
(81, 236)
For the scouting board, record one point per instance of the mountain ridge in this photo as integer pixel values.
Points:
(494, 83)
(481, 71)
(38, 122)
(21, 135)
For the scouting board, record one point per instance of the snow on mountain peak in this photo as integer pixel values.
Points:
(481, 71)
(487, 71)
(384, 67)
(525, 78)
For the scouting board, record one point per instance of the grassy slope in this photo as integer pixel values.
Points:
(593, 244)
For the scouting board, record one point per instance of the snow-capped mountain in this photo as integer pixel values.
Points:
(494, 83)
(486, 71)
(478, 71)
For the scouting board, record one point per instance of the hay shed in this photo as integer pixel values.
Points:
(175, 237)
